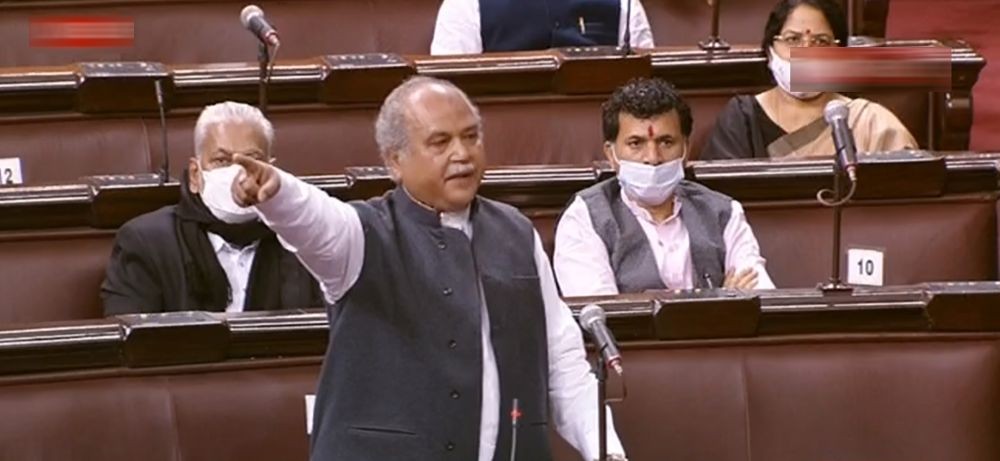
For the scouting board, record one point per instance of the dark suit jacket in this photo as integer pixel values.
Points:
(146, 271)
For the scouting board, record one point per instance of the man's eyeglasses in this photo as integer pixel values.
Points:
(795, 40)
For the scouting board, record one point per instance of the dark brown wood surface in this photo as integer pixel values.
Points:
(120, 89)
(107, 202)
(146, 340)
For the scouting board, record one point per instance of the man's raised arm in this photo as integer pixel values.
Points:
(324, 232)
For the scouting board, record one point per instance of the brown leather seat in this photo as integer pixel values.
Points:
(325, 140)
(685, 22)
(927, 396)
(235, 412)
(52, 275)
(813, 398)
(954, 240)
(66, 149)
(924, 240)
(949, 240)
(204, 32)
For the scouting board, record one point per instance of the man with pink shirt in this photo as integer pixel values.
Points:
(649, 228)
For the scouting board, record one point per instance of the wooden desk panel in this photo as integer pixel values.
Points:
(145, 340)
(846, 366)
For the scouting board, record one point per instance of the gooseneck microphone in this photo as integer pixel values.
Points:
(253, 19)
(836, 113)
(515, 416)
(593, 320)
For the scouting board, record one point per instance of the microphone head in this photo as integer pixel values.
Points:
(834, 110)
(590, 314)
(249, 12)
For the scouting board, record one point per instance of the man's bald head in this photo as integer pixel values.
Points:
(392, 123)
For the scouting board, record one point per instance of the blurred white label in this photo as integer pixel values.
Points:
(310, 402)
(10, 171)
(865, 266)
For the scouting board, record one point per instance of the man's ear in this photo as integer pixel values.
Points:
(609, 153)
(393, 163)
(194, 179)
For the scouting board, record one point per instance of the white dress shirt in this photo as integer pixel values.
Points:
(236, 263)
(457, 30)
(327, 236)
(583, 266)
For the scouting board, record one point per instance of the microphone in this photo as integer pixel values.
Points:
(836, 113)
(515, 416)
(593, 320)
(252, 18)
(165, 169)
(627, 47)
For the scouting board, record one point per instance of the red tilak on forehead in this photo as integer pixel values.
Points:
(650, 130)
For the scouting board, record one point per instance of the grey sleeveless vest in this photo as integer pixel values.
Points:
(402, 378)
(704, 213)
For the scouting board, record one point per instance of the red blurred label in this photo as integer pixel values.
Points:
(82, 32)
(843, 69)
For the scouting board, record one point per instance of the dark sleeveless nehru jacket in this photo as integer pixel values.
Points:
(402, 378)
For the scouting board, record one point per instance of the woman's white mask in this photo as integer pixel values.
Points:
(781, 68)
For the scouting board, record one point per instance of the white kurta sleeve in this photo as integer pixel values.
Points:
(457, 29)
(572, 385)
(742, 249)
(322, 231)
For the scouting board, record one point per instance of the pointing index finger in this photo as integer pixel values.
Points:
(249, 164)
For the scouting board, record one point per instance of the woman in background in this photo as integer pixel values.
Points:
(782, 123)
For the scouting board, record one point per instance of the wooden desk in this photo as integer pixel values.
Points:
(901, 372)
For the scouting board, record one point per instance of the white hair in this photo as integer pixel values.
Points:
(231, 112)
(390, 125)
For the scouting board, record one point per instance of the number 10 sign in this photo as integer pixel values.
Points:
(865, 266)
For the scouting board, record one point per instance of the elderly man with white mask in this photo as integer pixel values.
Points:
(206, 252)
(649, 228)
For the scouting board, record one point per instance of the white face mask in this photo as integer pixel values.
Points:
(648, 184)
(217, 195)
(782, 71)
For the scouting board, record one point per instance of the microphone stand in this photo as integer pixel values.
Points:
(835, 285)
(714, 42)
(263, 59)
(602, 397)
(627, 47)
(850, 19)
(165, 168)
